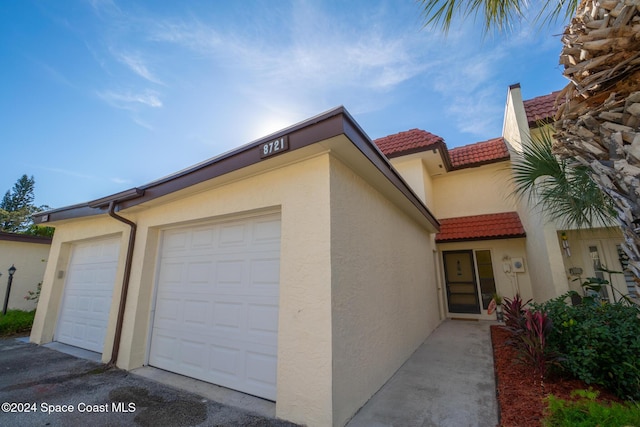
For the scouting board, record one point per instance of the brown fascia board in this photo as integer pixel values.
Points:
(321, 127)
(24, 238)
(477, 239)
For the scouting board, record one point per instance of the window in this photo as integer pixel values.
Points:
(485, 277)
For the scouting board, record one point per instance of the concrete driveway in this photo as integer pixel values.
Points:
(40, 386)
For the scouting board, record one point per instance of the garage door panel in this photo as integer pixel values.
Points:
(233, 235)
(224, 361)
(167, 308)
(217, 296)
(195, 314)
(86, 302)
(199, 272)
(262, 320)
(229, 272)
(227, 316)
(266, 231)
(261, 368)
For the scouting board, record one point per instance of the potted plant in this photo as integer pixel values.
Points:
(497, 305)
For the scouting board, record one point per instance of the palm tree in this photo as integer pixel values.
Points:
(598, 120)
(563, 189)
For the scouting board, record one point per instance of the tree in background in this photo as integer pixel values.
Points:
(17, 208)
(598, 120)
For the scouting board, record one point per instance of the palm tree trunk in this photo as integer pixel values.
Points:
(598, 121)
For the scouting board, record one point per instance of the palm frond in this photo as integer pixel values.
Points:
(552, 10)
(565, 193)
(498, 15)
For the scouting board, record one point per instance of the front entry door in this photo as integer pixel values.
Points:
(462, 293)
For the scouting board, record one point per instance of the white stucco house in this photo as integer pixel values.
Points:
(303, 268)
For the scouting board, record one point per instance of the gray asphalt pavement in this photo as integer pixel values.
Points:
(43, 387)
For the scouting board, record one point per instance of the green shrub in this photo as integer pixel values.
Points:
(586, 412)
(599, 343)
(16, 321)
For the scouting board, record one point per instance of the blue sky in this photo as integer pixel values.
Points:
(100, 96)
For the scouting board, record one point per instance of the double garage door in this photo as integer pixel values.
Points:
(216, 306)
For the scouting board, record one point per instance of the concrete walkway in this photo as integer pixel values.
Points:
(448, 381)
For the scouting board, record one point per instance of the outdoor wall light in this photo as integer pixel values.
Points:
(12, 271)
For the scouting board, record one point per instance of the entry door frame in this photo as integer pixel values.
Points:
(465, 278)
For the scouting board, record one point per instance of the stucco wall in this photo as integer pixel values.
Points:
(502, 251)
(515, 126)
(384, 291)
(300, 191)
(473, 191)
(414, 172)
(30, 260)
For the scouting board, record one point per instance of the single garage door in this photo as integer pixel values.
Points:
(216, 312)
(88, 289)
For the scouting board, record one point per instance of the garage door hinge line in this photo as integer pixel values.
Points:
(125, 280)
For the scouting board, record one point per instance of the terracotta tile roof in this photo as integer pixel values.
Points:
(481, 227)
(541, 108)
(479, 153)
(410, 141)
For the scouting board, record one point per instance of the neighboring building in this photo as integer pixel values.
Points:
(481, 246)
(563, 257)
(29, 255)
(306, 267)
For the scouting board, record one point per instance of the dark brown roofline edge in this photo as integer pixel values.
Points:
(475, 239)
(24, 238)
(326, 125)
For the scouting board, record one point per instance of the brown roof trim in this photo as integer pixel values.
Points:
(24, 238)
(321, 127)
(477, 239)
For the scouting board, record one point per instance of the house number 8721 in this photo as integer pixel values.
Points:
(274, 147)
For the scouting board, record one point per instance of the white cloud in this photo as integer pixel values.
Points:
(120, 181)
(192, 34)
(137, 65)
(476, 113)
(69, 173)
(130, 100)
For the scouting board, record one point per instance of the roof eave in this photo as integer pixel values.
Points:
(326, 125)
(478, 164)
(472, 239)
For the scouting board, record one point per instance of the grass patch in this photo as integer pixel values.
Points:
(16, 322)
(587, 412)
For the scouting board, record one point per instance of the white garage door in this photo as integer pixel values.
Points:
(88, 289)
(216, 314)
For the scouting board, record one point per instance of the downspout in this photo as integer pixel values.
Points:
(125, 281)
